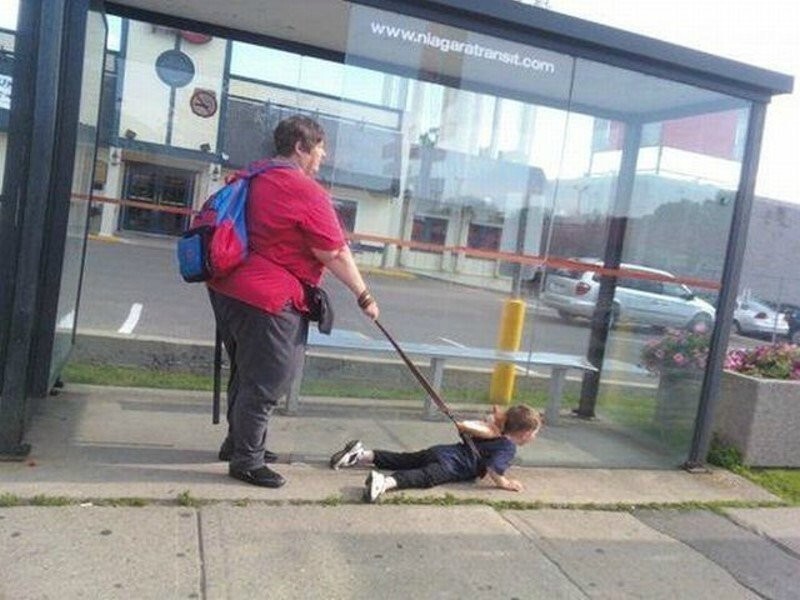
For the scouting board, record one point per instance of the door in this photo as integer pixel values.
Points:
(160, 199)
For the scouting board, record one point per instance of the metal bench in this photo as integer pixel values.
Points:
(345, 340)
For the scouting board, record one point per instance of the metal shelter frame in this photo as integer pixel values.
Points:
(44, 120)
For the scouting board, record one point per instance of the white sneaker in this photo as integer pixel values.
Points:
(375, 486)
(347, 456)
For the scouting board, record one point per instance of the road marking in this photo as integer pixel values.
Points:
(67, 321)
(454, 343)
(132, 320)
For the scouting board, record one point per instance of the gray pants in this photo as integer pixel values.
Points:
(265, 351)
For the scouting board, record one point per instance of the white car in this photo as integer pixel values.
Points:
(752, 317)
(646, 296)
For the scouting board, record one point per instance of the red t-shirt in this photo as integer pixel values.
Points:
(288, 214)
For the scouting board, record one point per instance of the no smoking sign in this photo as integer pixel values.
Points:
(203, 103)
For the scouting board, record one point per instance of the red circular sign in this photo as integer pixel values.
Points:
(203, 103)
(195, 38)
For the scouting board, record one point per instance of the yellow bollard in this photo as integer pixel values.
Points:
(509, 338)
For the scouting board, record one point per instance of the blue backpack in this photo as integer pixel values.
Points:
(216, 241)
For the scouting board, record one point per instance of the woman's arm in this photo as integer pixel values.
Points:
(341, 263)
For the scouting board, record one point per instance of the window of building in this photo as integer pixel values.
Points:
(484, 237)
(430, 230)
(346, 210)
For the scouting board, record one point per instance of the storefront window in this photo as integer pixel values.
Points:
(346, 210)
(484, 237)
(429, 230)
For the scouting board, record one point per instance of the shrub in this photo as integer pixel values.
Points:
(724, 455)
(778, 361)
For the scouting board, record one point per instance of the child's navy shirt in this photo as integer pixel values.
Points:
(458, 459)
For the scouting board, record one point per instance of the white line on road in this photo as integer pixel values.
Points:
(67, 321)
(132, 320)
(449, 341)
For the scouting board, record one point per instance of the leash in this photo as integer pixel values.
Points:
(217, 377)
(431, 392)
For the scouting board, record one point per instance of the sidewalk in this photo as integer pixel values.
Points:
(313, 538)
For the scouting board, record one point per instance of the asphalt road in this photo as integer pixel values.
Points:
(134, 288)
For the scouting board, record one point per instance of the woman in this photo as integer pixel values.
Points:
(261, 308)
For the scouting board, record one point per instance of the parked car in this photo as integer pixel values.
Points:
(754, 317)
(641, 298)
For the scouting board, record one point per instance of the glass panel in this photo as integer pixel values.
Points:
(82, 184)
(575, 183)
(8, 26)
(666, 218)
(478, 169)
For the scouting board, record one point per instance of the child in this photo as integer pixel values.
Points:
(497, 439)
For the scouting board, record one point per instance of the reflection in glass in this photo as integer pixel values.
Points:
(500, 159)
(7, 42)
(82, 183)
(477, 169)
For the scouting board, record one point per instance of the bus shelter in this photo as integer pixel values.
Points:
(525, 143)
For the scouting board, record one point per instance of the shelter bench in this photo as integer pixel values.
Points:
(342, 340)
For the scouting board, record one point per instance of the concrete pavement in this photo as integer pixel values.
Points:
(201, 534)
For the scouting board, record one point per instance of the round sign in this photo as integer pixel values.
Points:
(195, 38)
(174, 68)
(203, 103)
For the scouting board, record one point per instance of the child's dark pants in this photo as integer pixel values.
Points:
(420, 469)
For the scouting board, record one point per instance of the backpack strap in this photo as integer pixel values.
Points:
(268, 166)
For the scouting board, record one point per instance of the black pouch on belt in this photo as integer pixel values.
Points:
(320, 308)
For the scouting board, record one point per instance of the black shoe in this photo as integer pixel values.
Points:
(347, 456)
(262, 476)
(226, 451)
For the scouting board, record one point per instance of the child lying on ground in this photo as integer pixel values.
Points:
(496, 438)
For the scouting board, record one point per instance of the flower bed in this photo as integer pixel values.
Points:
(758, 411)
(679, 359)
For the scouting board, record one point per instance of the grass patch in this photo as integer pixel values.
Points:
(784, 483)
(500, 505)
(118, 376)
(116, 502)
(185, 498)
(42, 500)
(724, 456)
(9, 500)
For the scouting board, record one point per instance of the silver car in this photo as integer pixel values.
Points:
(752, 317)
(645, 297)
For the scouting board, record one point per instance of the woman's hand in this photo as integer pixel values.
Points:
(372, 311)
(340, 262)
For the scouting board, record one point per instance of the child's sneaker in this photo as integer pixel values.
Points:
(347, 456)
(375, 486)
